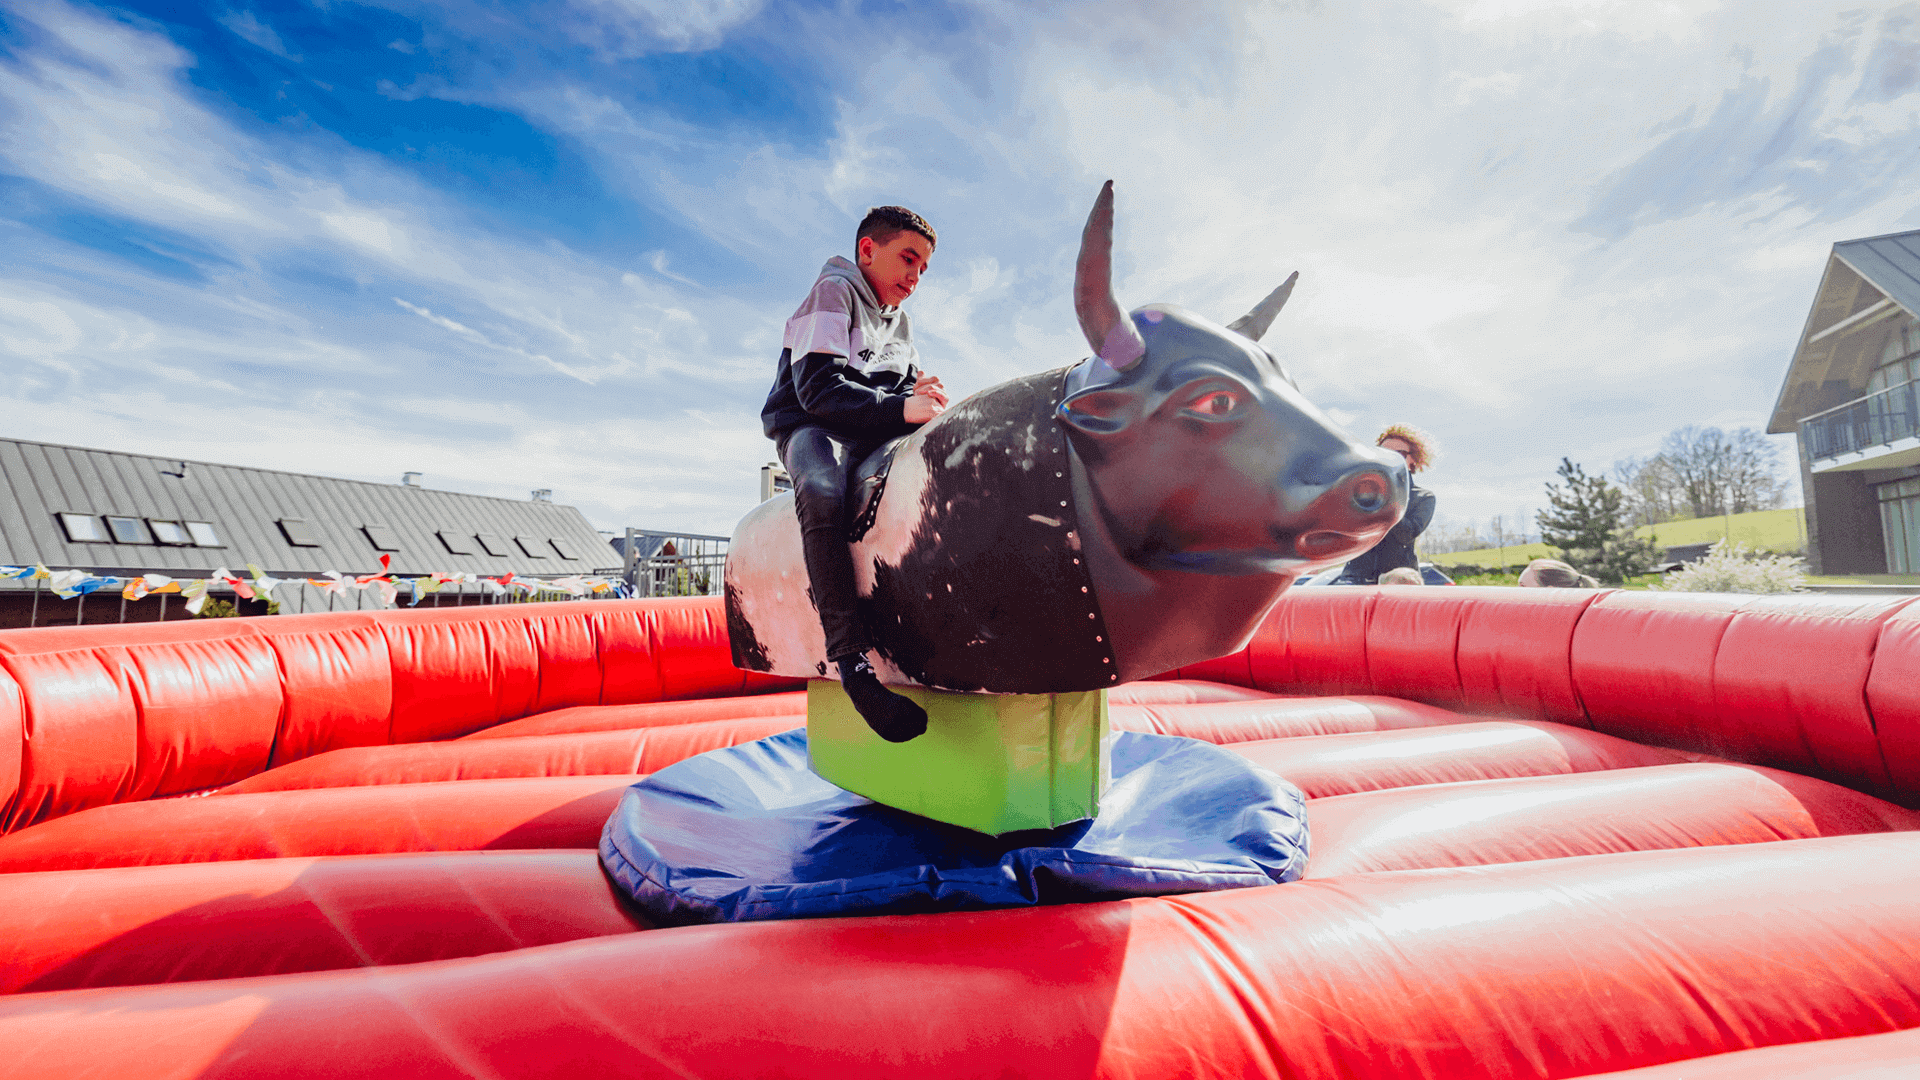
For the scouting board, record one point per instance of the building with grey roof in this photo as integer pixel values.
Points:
(1850, 396)
(124, 514)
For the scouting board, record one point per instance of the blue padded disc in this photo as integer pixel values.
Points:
(750, 832)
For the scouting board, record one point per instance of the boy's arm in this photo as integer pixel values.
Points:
(819, 338)
(821, 380)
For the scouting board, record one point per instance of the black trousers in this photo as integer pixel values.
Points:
(820, 462)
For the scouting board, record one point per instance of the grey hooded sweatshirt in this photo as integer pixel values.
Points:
(846, 363)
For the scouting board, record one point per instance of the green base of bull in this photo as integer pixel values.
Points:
(994, 763)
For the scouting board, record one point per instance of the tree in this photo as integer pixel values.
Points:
(1703, 472)
(1587, 522)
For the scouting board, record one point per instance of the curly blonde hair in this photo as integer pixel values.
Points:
(1421, 442)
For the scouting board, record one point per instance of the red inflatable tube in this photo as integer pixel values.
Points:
(1278, 718)
(1559, 969)
(794, 703)
(643, 750)
(463, 815)
(1324, 765)
(155, 924)
(650, 714)
(1182, 692)
(1552, 817)
(1894, 1055)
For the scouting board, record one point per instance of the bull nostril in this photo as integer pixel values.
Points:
(1370, 492)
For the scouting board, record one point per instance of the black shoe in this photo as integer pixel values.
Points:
(891, 716)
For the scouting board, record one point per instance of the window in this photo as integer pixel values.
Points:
(531, 547)
(1900, 525)
(169, 532)
(127, 530)
(455, 542)
(203, 534)
(491, 543)
(381, 537)
(565, 549)
(83, 528)
(298, 532)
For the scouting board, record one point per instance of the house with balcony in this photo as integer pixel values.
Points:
(1850, 397)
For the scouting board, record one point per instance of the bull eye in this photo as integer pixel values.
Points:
(1218, 403)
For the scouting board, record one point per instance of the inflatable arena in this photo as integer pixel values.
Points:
(1554, 833)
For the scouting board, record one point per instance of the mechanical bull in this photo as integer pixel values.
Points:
(1079, 528)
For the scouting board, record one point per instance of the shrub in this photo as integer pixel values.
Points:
(1732, 568)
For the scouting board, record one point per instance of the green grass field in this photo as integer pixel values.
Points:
(1762, 530)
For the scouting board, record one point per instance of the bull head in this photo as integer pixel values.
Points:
(1106, 325)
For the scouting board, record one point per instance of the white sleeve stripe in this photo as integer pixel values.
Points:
(820, 331)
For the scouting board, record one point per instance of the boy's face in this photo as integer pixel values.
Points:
(894, 268)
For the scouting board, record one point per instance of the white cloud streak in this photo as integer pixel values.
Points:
(1536, 229)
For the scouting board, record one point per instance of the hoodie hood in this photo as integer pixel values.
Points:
(841, 267)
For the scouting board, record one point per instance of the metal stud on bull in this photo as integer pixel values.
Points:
(1064, 532)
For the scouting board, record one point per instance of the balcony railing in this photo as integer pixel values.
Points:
(1863, 424)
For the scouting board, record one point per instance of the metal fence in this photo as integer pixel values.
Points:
(1862, 424)
(674, 564)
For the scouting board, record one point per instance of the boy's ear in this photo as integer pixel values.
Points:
(863, 250)
(1100, 411)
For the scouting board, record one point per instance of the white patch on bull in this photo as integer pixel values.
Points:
(765, 567)
(897, 527)
(1051, 523)
(966, 446)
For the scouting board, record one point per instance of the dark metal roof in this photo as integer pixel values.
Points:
(1866, 283)
(40, 481)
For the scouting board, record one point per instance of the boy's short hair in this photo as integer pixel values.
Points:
(883, 223)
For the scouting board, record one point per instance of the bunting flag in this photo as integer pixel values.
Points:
(258, 584)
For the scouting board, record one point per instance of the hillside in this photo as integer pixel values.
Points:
(1768, 530)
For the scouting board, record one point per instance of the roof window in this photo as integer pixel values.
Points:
(82, 528)
(127, 530)
(169, 532)
(565, 549)
(491, 543)
(455, 542)
(530, 546)
(381, 537)
(298, 532)
(203, 534)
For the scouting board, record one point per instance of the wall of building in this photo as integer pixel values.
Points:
(1843, 524)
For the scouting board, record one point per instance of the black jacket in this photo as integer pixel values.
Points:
(824, 389)
(1396, 549)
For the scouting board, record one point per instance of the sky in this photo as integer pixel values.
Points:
(552, 243)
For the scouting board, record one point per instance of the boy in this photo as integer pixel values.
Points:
(847, 383)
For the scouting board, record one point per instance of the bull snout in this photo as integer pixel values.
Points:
(1356, 510)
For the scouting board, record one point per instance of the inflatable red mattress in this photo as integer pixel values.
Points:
(1554, 833)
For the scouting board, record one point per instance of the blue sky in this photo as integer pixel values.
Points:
(551, 244)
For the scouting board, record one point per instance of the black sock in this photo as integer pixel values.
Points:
(892, 717)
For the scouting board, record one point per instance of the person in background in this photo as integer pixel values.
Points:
(1401, 575)
(1554, 574)
(1396, 549)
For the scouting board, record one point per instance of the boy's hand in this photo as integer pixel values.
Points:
(928, 400)
(929, 386)
(921, 408)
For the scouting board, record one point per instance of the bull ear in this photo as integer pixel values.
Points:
(1100, 411)
(1108, 329)
(1254, 323)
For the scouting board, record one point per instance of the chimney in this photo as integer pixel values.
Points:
(410, 479)
(543, 495)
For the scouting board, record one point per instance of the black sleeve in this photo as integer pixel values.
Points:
(832, 393)
(1418, 516)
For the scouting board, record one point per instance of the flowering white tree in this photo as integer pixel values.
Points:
(1731, 568)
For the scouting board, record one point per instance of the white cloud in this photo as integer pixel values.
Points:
(251, 30)
(1537, 229)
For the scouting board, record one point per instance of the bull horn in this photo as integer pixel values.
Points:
(1108, 329)
(1254, 323)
